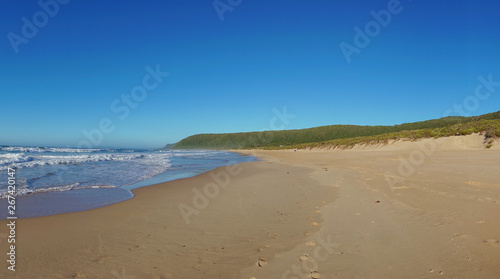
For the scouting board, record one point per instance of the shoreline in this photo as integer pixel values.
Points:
(82, 198)
(260, 219)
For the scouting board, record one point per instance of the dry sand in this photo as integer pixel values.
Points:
(429, 209)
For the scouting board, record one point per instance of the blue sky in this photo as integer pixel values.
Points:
(233, 75)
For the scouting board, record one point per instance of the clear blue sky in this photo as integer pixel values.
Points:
(228, 76)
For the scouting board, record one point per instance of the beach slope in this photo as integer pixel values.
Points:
(409, 210)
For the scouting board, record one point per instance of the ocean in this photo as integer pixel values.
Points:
(51, 180)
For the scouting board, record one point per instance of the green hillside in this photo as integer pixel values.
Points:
(490, 129)
(342, 133)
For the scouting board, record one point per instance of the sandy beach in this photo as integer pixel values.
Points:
(428, 209)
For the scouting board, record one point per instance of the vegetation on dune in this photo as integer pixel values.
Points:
(345, 135)
(490, 129)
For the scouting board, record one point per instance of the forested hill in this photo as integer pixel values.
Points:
(321, 135)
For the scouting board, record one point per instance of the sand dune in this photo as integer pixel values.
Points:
(470, 142)
(405, 210)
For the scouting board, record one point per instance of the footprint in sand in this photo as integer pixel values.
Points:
(136, 247)
(473, 183)
(314, 224)
(491, 241)
(202, 260)
(315, 275)
(400, 187)
(303, 258)
(311, 243)
(460, 235)
(263, 248)
(273, 235)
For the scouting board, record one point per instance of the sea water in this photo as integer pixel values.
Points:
(51, 180)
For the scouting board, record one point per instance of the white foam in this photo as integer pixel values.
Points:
(139, 166)
(75, 186)
(37, 149)
(21, 160)
(192, 154)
